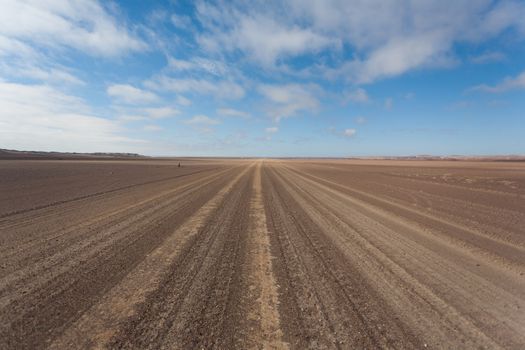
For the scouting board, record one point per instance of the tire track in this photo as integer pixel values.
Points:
(262, 299)
(61, 299)
(327, 304)
(508, 254)
(98, 325)
(96, 194)
(475, 310)
(76, 229)
(81, 242)
(195, 305)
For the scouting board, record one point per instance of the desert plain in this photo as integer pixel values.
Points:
(262, 253)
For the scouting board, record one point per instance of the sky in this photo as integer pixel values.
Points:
(323, 78)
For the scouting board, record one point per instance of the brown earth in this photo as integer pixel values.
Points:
(322, 254)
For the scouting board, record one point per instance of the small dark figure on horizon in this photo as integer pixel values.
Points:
(179, 164)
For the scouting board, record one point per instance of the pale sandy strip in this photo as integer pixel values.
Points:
(96, 327)
(269, 336)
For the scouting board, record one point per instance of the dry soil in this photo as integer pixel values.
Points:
(322, 254)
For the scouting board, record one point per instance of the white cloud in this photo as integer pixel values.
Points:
(39, 117)
(398, 36)
(131, 118)
(152, 128)
(221, 89)
(50, 75)
(358, 95)
(161, 112)
(287, 100)
(130, 94)
(501, 16)
(230, 112)
(488, 57)
(78, 24)
(258, 35)
(509, 83)
(181, 21)
(39, 72)
(401, 55)
(183, 101)
(272, 130)
(386, 38)
(267, 41)
(349, 132)
(16, 48)
(202, 119)
(360, 120)
(201, 64)
(176, 64)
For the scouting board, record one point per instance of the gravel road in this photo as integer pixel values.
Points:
(274, 254)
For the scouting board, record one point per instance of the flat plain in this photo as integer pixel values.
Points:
(261, 253)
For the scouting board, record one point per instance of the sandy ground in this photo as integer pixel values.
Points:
(273, 254)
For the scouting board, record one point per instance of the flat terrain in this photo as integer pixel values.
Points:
(232, 254)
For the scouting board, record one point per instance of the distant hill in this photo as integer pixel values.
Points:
(14, 154)
(500, 158)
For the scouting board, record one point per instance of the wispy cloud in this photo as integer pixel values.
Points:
(358, 95)
(287, 100)
(388, 40)
(230, 112)
(40, 72)
(349, 132)
(401, 55)
(152, 128)
(181, 21)
(344, 133)
(183, 101)
(509, 83)
(409, 95)
(360, 120)
(130, 94)
(488, 57)
(201, 64)
(221, 89)
(202, 119)
(202, 123)
(82, 25)
(40, 117)
(161, 112)
(130, 118)
(259, 36)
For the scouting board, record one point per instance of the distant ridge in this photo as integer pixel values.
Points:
(15, 154)
(509, 158)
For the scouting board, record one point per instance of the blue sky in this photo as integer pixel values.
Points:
(263, 78)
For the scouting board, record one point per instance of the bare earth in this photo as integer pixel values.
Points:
(274, 254)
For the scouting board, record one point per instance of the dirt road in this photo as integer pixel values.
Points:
(262, 254)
